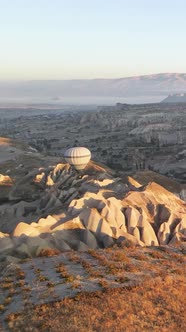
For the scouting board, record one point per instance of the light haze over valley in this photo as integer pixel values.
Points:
(132, 90)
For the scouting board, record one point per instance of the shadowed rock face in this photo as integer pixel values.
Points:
(68, 211)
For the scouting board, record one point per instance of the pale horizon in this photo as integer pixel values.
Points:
(95, 78)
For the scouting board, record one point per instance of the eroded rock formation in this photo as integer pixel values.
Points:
(59, 209)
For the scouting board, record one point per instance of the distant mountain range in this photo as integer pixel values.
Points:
(148, 85)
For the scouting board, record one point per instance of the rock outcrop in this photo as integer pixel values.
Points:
(69, 211)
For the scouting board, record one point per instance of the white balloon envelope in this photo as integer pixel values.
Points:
(78, 157)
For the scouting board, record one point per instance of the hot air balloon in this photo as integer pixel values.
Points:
(78, 157)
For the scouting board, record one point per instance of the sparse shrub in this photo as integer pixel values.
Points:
(11, 317)
(122, 279)
(42, 278)
(129, 267)
(178, 270)
(95, 273)
(156, 255)
(140, 257)
(69, 278)
(26, 289)
(7, 285)
(112, 268)
(37, 271)
(178, 257)
(11, 291)
(168, 279)
(74, 258)
(20, 274)
(2, 307)
(7, 279)
(50, 284)
(75, 284)
(7, 300)
(86, 265)
(126, 243)
(49, 252)
(100, 257)
(20, 283)
(119, 255)
(60, 268)
(103, 283)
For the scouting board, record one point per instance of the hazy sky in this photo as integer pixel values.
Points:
(63, 39)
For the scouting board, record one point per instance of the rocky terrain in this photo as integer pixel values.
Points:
(127, 138)
(57, 208)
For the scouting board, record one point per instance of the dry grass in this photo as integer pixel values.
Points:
(19, 274)
(49, 252)
(152, 299)
(7, 300)
(140, 257)
(93, 273)
(114, 261)
(7, 285)
(119, 256)
(50, 284)
(156, 305)
(2, 307)
(19, 283)
(64, 274)
(104, 284)
(156, 255)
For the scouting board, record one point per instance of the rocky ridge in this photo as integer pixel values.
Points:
(55, 208)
